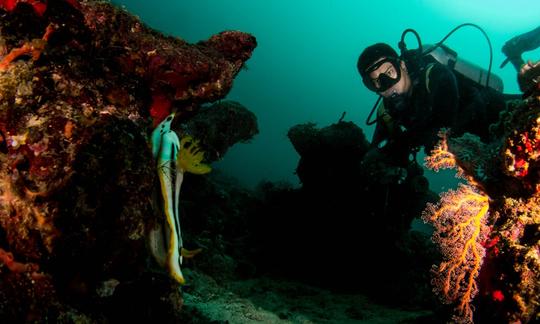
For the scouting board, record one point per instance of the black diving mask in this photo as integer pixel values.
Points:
(390, 75)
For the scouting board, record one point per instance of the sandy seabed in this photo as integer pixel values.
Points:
(268, 300)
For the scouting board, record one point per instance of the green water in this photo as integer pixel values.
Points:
(304, 68)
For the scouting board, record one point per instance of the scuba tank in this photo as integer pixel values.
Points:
(446, 56)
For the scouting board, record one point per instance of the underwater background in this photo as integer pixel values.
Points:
(109, 212)
(304, 67)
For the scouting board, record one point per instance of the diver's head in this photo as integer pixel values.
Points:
(382, 71)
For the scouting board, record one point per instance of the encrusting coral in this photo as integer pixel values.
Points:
(488, 229)
(81, 86)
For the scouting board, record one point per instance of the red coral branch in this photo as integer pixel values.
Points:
(34, 48)
(160, 108)
(522, 149)
(39, 6)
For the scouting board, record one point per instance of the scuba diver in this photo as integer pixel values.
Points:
(426, 89)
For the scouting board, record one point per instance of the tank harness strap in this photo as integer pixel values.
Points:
(428, 72)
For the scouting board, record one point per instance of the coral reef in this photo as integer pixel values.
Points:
(81, 84)
(343, 141)
(495, 255)
(177, 73)
(219, 126)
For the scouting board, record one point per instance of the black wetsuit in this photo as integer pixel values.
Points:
(440, 98)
